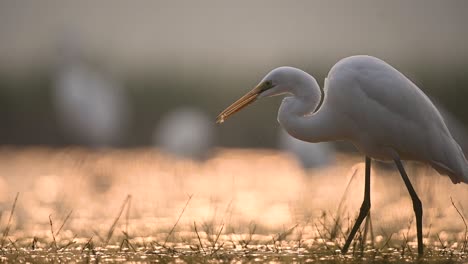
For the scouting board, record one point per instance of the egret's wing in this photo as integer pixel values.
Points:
(381, 93)
(387, 110)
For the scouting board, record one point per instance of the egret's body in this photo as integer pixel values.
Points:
(380, 111)
(458, 130)
(371, 104)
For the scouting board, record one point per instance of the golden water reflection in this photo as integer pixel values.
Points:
(236, 189)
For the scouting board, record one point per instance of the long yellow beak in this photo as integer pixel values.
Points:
(244, 101)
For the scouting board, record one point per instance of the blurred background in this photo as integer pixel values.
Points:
(118, 67)
(123, 80)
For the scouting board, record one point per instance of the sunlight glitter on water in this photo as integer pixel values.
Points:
(236, 189)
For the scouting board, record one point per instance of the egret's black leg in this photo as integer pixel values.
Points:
(417, 205)
(365, 207)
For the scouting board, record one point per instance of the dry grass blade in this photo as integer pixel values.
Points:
(339, 211)
(7, 229)
(54, 242)
(178, 219)
(323, 222)
(252, 228)
(33, 243)
(88, 244)
(218, 234)
(337, 221)
(217, 249)
(72, 242)
(441, 243)
(126, 241)
(96, 233)
(13, 243)
(301, 233)
(208, 228)
(282, 236)
(321, 237)
(364, 235)
(198, 236)
(371, 231)
(387, 241)
(64, 222)
(172, 250)
(127, 217)
(405, 240)
(356, 240)
(116, 220)
(465, 241)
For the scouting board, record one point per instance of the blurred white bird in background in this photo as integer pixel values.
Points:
(370, 103)
(310, 155)
(91, 106)
(185, 133)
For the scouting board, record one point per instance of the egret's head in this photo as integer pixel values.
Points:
(279, 81)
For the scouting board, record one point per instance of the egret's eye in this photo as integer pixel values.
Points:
(268, 84)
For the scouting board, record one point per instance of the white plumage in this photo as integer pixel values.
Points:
(372, 105)
(92, 107)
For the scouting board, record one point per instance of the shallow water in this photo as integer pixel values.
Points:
(260, 205)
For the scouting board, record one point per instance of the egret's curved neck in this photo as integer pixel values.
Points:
(296, 114)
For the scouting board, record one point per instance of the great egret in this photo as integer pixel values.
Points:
(371, 104)
(310, 155)
(185, 133)
(91, 106)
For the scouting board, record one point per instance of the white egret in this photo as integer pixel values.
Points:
(310, 155)
(185, 133)
(91, 106)
(456, 127)
(371, 104)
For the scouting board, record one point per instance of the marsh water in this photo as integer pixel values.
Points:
(244, 205)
